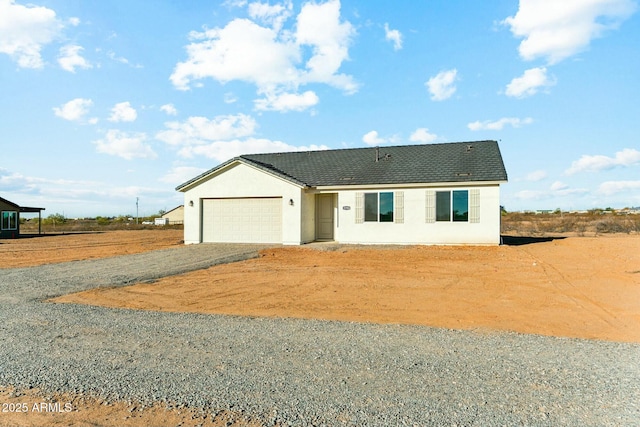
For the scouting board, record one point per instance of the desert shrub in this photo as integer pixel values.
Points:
(595, 221)
(54, 219)
(611, 226)
(103, 220)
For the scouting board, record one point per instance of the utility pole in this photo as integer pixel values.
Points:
(137, 198)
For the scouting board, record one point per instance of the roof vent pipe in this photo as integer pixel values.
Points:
(377, 154)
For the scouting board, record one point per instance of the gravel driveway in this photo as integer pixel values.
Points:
(298, 372)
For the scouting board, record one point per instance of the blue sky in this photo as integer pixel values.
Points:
(104, 102)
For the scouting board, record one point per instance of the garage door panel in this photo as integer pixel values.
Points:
(246, 220)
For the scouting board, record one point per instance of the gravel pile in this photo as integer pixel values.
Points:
(298, 372)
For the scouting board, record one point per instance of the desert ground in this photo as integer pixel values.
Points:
(582, 287)
(74, 246)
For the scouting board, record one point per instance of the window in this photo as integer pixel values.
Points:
(458, 211)
(443, 206)
(370, 207)
(9, 220)
(461, 206)
(378, 207)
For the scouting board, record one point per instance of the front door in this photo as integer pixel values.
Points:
(324, 216)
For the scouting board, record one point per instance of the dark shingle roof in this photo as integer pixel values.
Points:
(405, 164)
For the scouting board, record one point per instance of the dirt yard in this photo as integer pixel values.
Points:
(52, 248)
(31, 409)
(586, 287)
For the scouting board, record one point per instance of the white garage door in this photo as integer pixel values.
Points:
(247, 220)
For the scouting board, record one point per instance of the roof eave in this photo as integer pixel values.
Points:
(411, 185)
(27, 209)
(194, 181)
(236, 160)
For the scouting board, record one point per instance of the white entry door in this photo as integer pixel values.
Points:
(242, 220)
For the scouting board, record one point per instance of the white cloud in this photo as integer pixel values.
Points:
(422, 135)
(442, 86)
(225, 150)
(25, 30)
(530, 195)
(557, 189)
(128, 145)
(393, 36)
(222, 138)
(179, 174)
(13, 181)
(19, 183)
(121, 59)
(200, 130)
(74, 197)
(529, 83)
(319, 26)
(275, 60)
(625, 158)
(242, 50)
(275, 15)
(287, 102)
(499, 124)
(535, 176)
(230, 98)
(123, 112)
(74, 110)
(70, 58)
(169, 109)
(372, 138)
(558, 186)
(609, 188)
(556, 30)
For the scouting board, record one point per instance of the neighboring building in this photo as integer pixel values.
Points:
(412, 194)
(175, 215)
(10, 218)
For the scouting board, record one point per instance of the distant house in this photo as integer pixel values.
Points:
(175, 215)
(412, 194)
(10, 218)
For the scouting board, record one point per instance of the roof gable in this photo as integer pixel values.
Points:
(7, 202)
(475, 161)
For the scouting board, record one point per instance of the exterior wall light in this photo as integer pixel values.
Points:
(290, 202)
(191, 203)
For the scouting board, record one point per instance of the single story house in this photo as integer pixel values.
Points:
(175, 215)
(10, 218)
(413, 194)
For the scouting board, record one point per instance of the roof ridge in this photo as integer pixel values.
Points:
(367, 148)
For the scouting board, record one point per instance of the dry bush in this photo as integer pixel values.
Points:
(532, 224)
(80, 225)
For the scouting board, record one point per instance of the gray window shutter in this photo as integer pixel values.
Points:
(398, 216)
(359, 208)
(430, 206)
(474, 206)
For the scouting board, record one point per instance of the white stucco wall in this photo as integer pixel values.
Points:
(415, 230)
(308, 217)
(240, 180)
